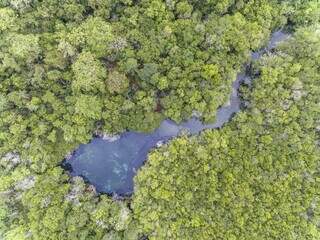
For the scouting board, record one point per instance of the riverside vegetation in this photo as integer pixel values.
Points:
(71, 68)
(109, 163)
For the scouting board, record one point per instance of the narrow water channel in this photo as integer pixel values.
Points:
(110, 164)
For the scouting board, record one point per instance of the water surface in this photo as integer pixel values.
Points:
(110, 164)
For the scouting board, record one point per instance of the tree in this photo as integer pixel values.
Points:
(24, 47)
(94, 35)
(89, 74)
(117, 82)
(7, 19)
(88, 106)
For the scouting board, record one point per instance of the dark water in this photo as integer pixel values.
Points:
(110, 164)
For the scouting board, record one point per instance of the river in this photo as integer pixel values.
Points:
(110, 164)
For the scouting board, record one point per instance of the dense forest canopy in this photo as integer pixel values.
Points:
(73, 68)
(256, 178)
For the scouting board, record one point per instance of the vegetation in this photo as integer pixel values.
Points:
(131, 62)
(70, 68)
(257, 177)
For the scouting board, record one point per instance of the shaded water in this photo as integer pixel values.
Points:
(110, 165)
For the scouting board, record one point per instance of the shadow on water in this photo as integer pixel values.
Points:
(110, 165)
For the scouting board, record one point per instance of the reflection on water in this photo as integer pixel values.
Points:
(110, 165)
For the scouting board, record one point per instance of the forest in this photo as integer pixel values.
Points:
(71, 69)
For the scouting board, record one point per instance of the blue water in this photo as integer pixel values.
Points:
(110, 165)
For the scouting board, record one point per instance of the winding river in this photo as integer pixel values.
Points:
(111, 163)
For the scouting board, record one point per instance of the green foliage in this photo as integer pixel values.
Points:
(7, 19)
(89, 106)
(117, 82)
(94, 35)
(60, 210)
(70, 68)
(24, 47)
(89, 74)
(256, 178)
(303, 12)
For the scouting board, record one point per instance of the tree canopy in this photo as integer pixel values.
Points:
(69, 69)
(257, 177)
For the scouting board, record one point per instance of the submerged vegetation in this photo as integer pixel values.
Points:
(71, 68)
